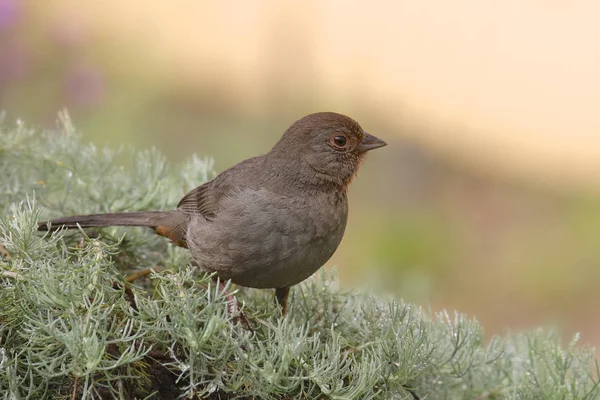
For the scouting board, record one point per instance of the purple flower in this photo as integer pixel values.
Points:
(10, 11)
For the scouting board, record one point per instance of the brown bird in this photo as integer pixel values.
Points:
(270, 221)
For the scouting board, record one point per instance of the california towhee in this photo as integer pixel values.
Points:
(270, 221)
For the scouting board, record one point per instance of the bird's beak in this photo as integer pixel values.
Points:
(370, 142)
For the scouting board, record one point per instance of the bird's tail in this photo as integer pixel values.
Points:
(171, 224)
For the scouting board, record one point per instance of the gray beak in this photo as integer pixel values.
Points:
(370, 142)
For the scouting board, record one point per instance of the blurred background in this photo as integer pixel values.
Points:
(486, 199)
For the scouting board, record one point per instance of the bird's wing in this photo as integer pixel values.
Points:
(203, 200)
(206, 199)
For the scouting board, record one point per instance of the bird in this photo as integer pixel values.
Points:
(270, 221)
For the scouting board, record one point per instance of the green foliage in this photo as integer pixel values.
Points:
(71, 326)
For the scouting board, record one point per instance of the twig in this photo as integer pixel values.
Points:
(10, 274)
(74, 396)
(139, 274)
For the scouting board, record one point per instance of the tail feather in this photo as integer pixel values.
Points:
(147, 218)
(171, 224)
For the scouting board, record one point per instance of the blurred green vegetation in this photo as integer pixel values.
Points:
(74, 325)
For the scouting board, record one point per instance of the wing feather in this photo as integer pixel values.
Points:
(206, 199)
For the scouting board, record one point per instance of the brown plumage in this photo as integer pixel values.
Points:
(270, 221)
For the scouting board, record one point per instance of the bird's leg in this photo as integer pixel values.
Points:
(281, 295)
(233, 306)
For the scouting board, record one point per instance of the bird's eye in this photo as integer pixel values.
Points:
(338, 141)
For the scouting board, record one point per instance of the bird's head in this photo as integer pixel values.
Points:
(332, 146)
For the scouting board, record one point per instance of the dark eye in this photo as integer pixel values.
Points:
(339, 141)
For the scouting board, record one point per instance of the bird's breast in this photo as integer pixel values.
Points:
(264, 239)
